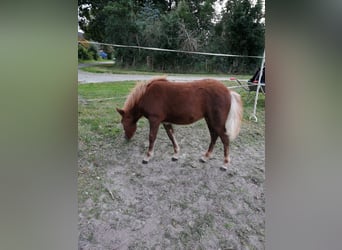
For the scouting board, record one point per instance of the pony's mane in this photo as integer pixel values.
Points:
(138, 91)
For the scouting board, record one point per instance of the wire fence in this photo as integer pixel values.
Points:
(253, 116)
(169, 50)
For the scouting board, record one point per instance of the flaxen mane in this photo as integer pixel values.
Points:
(138, 91)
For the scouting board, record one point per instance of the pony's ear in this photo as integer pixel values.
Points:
(121, 111)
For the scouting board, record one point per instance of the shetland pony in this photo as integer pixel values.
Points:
(167, 103)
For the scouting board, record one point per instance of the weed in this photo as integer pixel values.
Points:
(228, 226)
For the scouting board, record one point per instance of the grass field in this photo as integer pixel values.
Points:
(110, 68)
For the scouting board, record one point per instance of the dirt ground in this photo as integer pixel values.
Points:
(124, 204)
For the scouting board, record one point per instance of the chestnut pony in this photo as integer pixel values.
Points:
(167, 103)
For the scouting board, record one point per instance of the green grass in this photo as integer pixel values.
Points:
(229, 226)
(98, 117)
(95, 61)
(115, 70)
(105, 90)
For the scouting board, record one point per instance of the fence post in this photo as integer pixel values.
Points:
(258, 89)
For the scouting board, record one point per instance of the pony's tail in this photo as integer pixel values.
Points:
(234, 119)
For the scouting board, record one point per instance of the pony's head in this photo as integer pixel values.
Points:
(129, 123)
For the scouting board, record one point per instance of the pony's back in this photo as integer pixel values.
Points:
(186, 102)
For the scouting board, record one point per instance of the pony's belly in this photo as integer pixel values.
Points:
(182, 120)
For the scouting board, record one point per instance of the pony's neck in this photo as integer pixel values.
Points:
(135, 113)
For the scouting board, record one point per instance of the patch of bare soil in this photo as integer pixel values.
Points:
(124, 204)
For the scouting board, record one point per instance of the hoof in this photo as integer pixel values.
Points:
(224, 168)
(174, 158)
(144, 162)
(203, 160)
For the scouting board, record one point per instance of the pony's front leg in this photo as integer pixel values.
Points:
(169, 130)
(152, 137)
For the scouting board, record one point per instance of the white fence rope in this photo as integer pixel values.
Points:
(169, 50)
(101, 99)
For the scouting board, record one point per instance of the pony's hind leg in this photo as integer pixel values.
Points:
(170, 132)
(213, 136)
(225, 140)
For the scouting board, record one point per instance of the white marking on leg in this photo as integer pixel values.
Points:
(227, 159)
(176, 147)
(176, 150)
(175, 156)
(224, 166)
(226, 163)
(147, 157)
(205, 157)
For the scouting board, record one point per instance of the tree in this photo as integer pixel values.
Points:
(179, 25)
(120, 28)
(242, 32)
(148, 22)
(91, 18)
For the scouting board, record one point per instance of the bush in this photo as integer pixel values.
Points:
(83, 53)
(109, 50)
(109, 56)
(93, 52)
